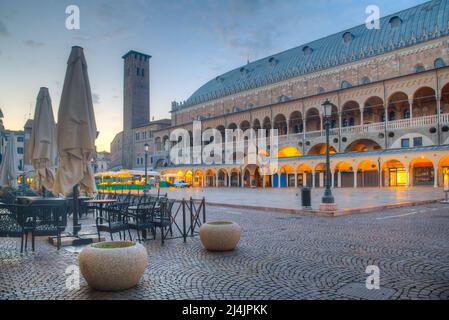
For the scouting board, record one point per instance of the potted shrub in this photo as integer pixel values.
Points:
(113, 266)
(220, 235)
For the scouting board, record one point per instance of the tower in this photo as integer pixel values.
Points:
(136, 95)
(136, 100)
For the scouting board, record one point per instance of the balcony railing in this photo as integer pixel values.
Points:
(418, 122)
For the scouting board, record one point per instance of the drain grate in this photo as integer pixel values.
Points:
(359, 291)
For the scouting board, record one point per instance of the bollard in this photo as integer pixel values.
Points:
(306, 198)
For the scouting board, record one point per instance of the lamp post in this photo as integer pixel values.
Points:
(146, 146)
(328, 199)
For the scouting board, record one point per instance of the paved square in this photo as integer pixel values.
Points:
(280, 256)
(289, 198)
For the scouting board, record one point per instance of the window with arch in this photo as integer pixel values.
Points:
(348, 37)
(439, 63)
(366, 80)
(395, 22)
(419, 68)
(307, 50)
(345, 84)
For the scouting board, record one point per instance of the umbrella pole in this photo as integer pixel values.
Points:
(76, 226)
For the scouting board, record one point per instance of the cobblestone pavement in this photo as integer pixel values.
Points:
(280, 256)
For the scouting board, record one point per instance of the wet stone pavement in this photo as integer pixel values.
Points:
(280, 256)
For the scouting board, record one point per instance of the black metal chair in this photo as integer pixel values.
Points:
(142, 218)
(115, 220)
(48, 220)
(12, 222)
(162, 217)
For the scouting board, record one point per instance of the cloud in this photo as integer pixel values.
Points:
(95, 98)
(4, 30)
(34, 44)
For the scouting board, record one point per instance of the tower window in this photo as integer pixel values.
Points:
(143, 72)
(137, 71)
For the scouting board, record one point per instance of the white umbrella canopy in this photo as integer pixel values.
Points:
(76, 129)
(42, 144)
(9, 168)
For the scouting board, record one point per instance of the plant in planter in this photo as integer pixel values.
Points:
(220, 235)
(113, 266)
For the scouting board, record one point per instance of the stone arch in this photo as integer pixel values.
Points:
(373, 110)
(304, 175)
(422, 172)
(188, 177)
(266, 124)
(368, 174)
(222, 178)
(424, 102)
(363, 145)
(235, 177)
(394, 173)
(232, 126)
(320, 175)
(398, 106)
(280, 123)
(210, 178)
(295, 122)
(443, 170)
(344, 175)
(256, 125)
(245, 125)
(198, 179)
(288, 152)
(313, 120)
(350, 114)
(320, 148)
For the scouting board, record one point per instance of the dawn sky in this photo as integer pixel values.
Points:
(191, 42)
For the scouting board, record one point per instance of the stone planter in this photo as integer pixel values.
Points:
(220, 235)
(113, 266)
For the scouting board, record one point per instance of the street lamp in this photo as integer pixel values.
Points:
(328, 198)
(146, 146)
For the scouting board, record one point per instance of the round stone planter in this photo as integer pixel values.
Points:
(220, 235)
(113, 266)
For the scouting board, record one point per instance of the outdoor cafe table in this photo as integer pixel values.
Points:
(37, 200)
(101, 203)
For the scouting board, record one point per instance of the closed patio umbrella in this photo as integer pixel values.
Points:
(76, 132)
(42, 144)
(9, 167)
